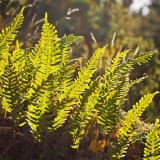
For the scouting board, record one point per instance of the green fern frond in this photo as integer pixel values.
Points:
(62, 112)
(40, 109)
(8, 35)
(115, 86)
(93, 86)
(111, 103)
(11, 93)
(104, 101)
(42, 77)
(126, 132)
(79, 86)
(45, 57)
(46, 52)
(127, 66)
(65, 79)
(117, 61)
(66, 41)
(86, 113)
(6, 38)
(28, 71)
(152, 145)
(65, 68)
(84, 75)
(24, 67)
(143, 57)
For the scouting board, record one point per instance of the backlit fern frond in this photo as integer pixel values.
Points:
(152, 145)
(8, 35)
(143, 57)
(40, 109)
(65, 68)
(126, 132)
(127, 65)
(117, 61)
(28, 71)
(105, 101)
(37, 84)
(46, 52)
(11, 92)
(84, 75)
(115, 86)
(66, 41)
(85, 113)
(6, 38)
(79, 86)
(45, 57)
(109, 113)
(23, 67)
(111, 103)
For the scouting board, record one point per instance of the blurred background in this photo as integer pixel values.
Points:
(122, 24)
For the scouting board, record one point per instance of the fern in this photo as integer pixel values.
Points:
(126, 132)
(6, 38)
(45, 56)
(79, 86)
(106, 99)
(10, 32)
(40, 109)
(66, 69)
(11, 92)
(152, 145)
(85, 114)
(115, 86)
(84, 75)
(43, 77)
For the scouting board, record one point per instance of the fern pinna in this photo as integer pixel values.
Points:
(43, 77)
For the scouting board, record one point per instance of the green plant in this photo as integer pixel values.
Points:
(38, 88)
(152, 145)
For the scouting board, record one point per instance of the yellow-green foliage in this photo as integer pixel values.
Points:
(42, 79)
(152, 145)
(126, 132)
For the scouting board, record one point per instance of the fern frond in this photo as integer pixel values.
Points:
(78, 87)
(45, 57)
(68, 40)
(84, 75)
(152, 145)
(86, 113)
(65, 68)
(46, 52)
(23, 66)
(111, 103)
(28, 71)
(40, 109)
(115, 86)
(11, 93)
(142, 57)
(104, 102)
(117, 61)
(8, 35)
(126, 132)
(6, 38)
